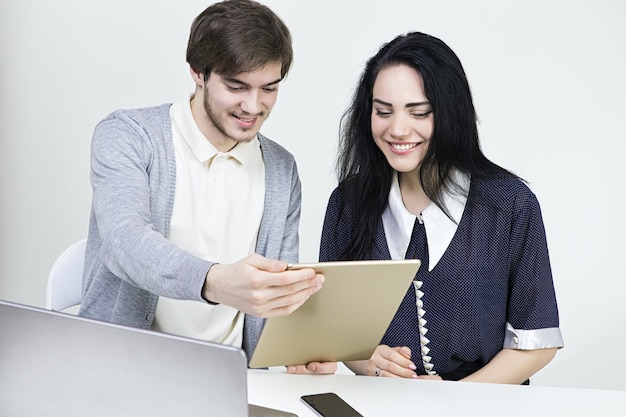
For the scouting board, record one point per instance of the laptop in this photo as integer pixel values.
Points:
(343, 321)
(58, 365)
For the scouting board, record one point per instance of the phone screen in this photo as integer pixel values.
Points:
(330, 404)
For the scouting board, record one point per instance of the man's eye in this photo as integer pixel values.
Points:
(269, 89)
(233, 88)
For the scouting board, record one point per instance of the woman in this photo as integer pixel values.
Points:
(414, 183)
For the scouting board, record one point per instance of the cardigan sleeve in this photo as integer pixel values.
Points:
(128, 170)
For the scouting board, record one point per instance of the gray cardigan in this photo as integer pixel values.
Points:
(129, 261)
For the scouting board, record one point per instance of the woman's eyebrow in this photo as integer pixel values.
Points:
(408, 105)
(379, 101)
(418, 103)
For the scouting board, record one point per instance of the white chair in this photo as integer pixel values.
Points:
(66, 278)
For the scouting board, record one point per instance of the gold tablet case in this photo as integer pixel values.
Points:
(343, 321)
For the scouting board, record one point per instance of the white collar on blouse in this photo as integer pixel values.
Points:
(398, 221)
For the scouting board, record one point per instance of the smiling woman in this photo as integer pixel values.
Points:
(415, 184)
(402, 125)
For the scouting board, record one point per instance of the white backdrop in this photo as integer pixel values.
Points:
(548, 82)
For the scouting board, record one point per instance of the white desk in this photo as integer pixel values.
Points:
(387, 397)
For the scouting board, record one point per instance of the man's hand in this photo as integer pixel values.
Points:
(313, 368)
(260, 286)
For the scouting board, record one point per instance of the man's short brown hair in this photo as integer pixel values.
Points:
(235, 36)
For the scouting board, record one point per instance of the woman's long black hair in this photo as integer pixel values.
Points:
(364, 175)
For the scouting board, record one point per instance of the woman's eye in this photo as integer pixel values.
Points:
(383, 113)
(421, 115)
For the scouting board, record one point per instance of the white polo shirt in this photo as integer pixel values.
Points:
(217, 213)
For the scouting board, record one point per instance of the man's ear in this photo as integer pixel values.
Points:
(197, 77)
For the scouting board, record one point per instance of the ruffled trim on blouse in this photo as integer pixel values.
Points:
(426, 359)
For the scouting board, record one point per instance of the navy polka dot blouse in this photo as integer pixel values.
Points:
(491, 289)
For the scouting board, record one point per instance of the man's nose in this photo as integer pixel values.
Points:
(251, 103)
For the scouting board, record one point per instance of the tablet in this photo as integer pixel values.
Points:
(343, 321)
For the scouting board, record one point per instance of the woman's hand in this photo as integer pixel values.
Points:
(391, 362)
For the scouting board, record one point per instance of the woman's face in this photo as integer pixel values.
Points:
(402, 118)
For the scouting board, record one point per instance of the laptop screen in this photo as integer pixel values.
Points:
(58, 365)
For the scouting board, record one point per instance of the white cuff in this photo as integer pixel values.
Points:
(532, 339)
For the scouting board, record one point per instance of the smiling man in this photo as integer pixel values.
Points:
(195, 213)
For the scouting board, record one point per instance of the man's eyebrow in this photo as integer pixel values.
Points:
(273, 82)
(238, 81)
(408, 105)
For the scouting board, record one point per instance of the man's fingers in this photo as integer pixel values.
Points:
(277, 273)
(322, 368)
(261, 286)
(265, 264)
(287, 304)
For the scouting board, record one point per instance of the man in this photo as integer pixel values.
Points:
(195, 214)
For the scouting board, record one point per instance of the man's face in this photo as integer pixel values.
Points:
(236, 107)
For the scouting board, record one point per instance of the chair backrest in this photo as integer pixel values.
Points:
(66, 278)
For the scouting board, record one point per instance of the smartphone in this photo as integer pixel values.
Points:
(329, 404)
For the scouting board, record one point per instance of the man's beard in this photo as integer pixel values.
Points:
(215, 120)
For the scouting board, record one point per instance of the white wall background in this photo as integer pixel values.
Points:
(548, 82)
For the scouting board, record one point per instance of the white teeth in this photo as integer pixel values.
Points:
(403, 146)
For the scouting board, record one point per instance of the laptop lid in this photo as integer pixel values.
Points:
(343, 321)
(59, 365)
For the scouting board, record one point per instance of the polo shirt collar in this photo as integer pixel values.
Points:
(203, 150)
